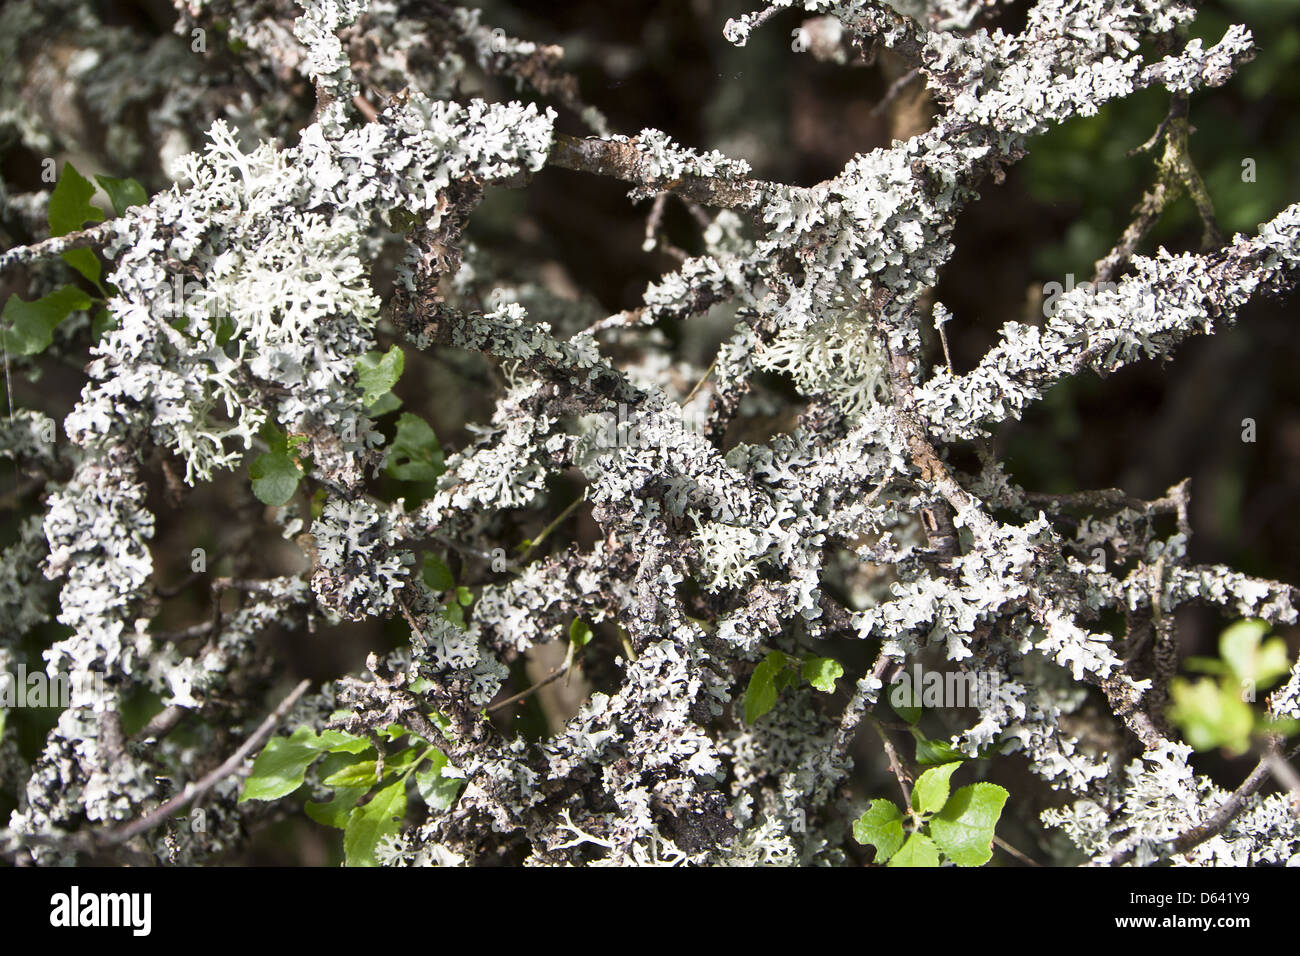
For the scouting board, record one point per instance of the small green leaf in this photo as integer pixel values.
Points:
(579, 634)
(279, 769)
(932, 753)
(1206, 665)
(29, 326)
(787, 676)
(339, 742)
(69, 210)
(415, 454)
(70, 207)
(822, 673)
(101, 325)
(436, 573)
(368, 825)
(85, 262)
(1250, 657)
(378, 372)
(399, 762)
(359, 774)
(760, 695)
(437, 791)
(964, 828)
(387, 402)
(455, 614)
(880, 826)
(225, 329)
(905, 700)
(335, 811)
(931, 790)
(333, 763)
(276, 473)
(1211, 714)
(919, 850)
(122, 193)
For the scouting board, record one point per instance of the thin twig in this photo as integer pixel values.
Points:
(533, 543)
(1023, 858)
(410, 619)
(195, 790)
(895, 88)
(708, 373)
(895, 764)
(550, 679)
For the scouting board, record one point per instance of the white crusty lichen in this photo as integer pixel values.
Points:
(245, 293)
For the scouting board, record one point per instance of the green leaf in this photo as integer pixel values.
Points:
(276, 473)
(339, 742)
(279, 769)
(359, 774)
(436, 573)
(1211, 714)
(1249, 657)
(335, 811)
(102, 324)
(85, 262)
(368, 825)
(932, 753)
(464, 596)
(880, 826)
(70, 207)
(437, 791)
(760, 695)
(822, 673)
(787, 676)
(1206, 665)
(964, 828)
(931, 790)
(455, 614)
(69, 210)
(29, 326)
(225, 329)
(905, 700)
(415, 454)
(400, 762)
(378, 372)
(122, 193)
(919, 850)
(579, 634)
(333, 763)
(387, 402)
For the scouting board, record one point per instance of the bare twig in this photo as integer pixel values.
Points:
(895, 764)
(1022, 857)
(549, 679)
(195, 790)
(895, 88)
